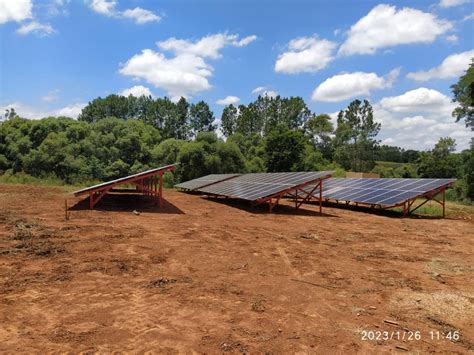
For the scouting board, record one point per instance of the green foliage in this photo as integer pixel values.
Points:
(395, 170)
(269, 134)
(463, 92)
(201, 118)
(440, 162)
(284, 149)
(229, 120)
(355, 142)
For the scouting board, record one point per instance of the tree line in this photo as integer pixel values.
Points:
(116, 136)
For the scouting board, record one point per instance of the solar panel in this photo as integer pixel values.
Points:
(255, 186)
(380, 191)
(204, 181)
(124, 180)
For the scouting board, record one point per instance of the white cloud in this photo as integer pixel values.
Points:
(228, 100)
(344, 86)
(452, 39)
(468, 17)
(179, 76)
(305, 54)
(26, 111)
(259, 89)
(452, 66)
(419, 100)
(37, 28)
(141, 16)
(385, 26)
(137, 91)
(104, 7)
(186, 73)
(109, 8)
(418, 118)
(51, 96)
(15, 10)
(263, 90)
(451, 3)
(206, 47)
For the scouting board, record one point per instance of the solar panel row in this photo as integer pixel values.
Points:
(204, 181)
(255, 186)
(385, 192)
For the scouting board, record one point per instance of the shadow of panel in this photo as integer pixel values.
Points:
(283, 209)
(126, 201)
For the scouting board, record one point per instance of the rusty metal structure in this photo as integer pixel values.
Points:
(149, 183)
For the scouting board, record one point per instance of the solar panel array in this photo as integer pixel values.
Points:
(255, 186)
(379, 191)
(204, 181)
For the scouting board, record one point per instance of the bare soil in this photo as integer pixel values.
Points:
(213, 276)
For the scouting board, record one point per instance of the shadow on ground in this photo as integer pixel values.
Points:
(263, 208)
(127, 201)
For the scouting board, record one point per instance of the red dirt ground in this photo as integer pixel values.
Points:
(213, 276)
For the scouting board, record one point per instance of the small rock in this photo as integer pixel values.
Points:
(135, 212)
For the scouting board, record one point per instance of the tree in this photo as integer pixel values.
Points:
(463, 92)
(284, 149)
(182, 117)
(201, 118)
(355, 137)
(440, 162)
(320, 128)
(10, 113)
(229, 120)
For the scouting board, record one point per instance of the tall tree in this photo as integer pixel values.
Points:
(320, 128)
(229, 120)
(355, 137)
(201, 118)
(284, 149)
(440, 162)
(463, 92)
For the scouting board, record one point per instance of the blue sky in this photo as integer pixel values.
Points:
(56, 55)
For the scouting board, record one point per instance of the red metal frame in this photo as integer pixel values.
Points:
(147, 183)
(293, 192)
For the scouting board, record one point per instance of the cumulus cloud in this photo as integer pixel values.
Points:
(37, 28)
(187, 72)
(344, 86)
(141, 16)
(452, 66)
(137, 91)
(305, 54)
(104, 7)
(206, 47)
(109, 8)
(452, 3)
(385, 26)
(15, 10)
(452, 39)
(418, 118)
(228, 100)
(263, 90)
(26, 111)
(419, 100)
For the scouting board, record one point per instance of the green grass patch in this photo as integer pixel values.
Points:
(434, 209)
(394, 165)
